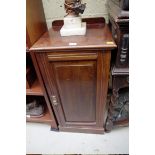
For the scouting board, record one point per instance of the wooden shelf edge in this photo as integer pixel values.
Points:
(35, 89)
(46, 118)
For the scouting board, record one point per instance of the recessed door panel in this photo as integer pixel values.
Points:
(76, 83)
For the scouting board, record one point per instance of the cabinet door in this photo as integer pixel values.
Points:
(77, 85)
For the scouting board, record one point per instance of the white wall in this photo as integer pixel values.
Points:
(54, 9)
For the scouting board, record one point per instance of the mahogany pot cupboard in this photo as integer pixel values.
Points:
(75, 72)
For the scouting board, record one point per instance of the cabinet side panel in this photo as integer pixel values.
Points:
(102, 85)
(35, 21)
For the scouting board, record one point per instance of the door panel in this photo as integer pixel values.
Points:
(76, 82)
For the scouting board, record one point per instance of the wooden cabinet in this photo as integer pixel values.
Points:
(35, 27)
(76, 77)
(119, 105)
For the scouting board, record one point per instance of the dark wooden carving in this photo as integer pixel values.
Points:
(118, 113)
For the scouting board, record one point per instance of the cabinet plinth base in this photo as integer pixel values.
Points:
(82, 130)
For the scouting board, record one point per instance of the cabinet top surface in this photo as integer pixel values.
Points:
(96, 38)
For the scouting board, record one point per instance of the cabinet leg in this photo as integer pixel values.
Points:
(54, 129)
